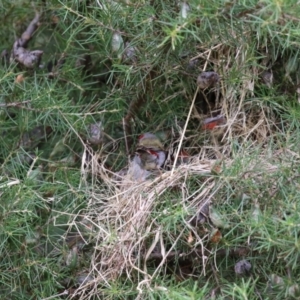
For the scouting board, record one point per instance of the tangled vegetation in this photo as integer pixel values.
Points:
(217, 82)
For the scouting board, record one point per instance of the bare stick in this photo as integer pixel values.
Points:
(14, 104)
(125, 137)
(184, 130)
(31, 28)
(19, 53)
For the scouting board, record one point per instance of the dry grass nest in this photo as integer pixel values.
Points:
(128, 233)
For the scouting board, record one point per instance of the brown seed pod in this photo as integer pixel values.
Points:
(207, 79)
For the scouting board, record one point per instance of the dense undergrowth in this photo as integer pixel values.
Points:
(221, 225)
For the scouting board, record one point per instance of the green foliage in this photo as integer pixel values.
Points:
(52, 186)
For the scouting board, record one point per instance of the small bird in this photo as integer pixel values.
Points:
(151, 151)
(147, 160)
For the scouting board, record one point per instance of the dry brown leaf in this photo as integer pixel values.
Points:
(20, 78)
(216, 236)
(190, 238)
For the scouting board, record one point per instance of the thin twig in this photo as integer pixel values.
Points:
(14, 104)
(183, 132)
(31, 28)
(125, 137)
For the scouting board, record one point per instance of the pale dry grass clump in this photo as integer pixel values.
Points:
(127, 232)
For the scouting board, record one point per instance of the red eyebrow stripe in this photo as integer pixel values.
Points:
(152, 152)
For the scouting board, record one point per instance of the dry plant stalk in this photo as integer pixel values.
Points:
(19, 53)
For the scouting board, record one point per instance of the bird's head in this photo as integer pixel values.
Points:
(150, 141)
